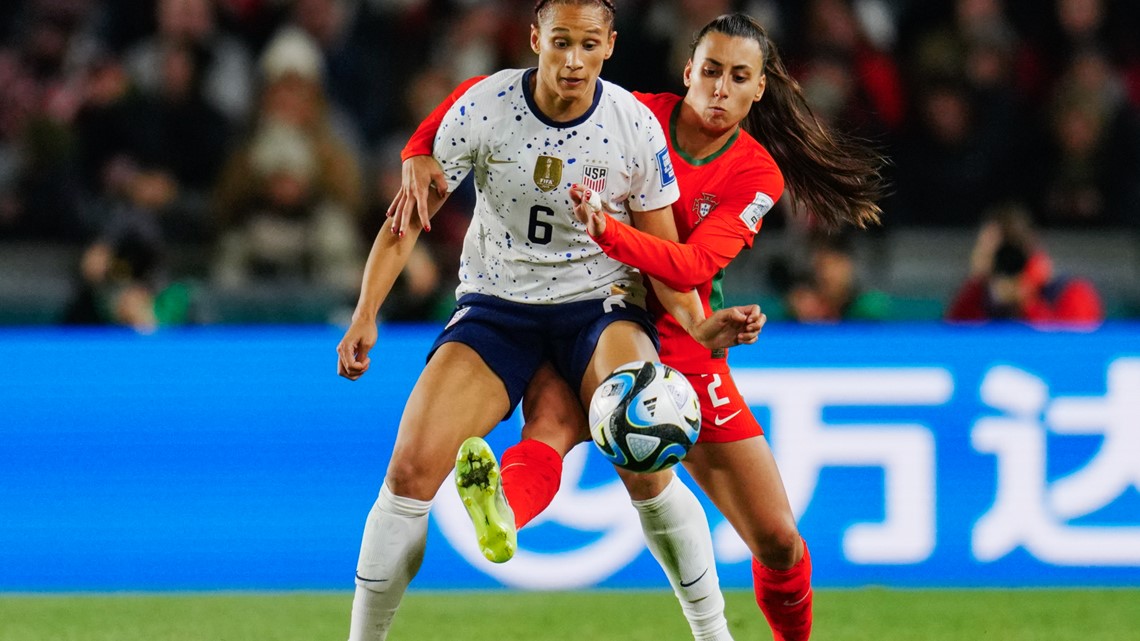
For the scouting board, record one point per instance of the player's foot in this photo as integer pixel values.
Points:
(477, 479)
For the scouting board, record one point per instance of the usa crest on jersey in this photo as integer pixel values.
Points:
(594, 178)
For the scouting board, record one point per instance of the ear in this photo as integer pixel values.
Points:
(687, 72)
(610, 46)
(760, 90)
(534, 38)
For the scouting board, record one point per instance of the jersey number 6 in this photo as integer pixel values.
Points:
(540, 232)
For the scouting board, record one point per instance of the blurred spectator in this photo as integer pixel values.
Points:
(123, 277)
(292, 93)
(865, 77)
(227, 71)
(41, 87)
(828, 288)
(661, 32)
(946, 168)
(1077, 25)
(288, 230)
(353, 71)
(174, 133)
(1091, 170)
(1011, 278)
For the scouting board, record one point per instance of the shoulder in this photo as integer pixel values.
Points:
(496, 85)
(624, 102)
(757, 167)
(660, 104)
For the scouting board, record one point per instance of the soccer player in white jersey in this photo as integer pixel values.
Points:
(534, 285)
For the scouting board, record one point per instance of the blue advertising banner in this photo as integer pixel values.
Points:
(236, 459)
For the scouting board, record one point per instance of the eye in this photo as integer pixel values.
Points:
(741, 79)
(590, 46)
(561, 44)
(709, 72)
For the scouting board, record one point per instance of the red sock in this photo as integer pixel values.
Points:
(784, 596)
(531, 473)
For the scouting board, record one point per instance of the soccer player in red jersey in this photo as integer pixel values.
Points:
(732, 153)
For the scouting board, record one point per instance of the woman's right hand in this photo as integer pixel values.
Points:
(416, 175)
(352, 352)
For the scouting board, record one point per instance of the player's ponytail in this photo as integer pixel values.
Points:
(836, 177)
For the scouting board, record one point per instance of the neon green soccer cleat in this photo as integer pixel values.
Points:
(477, 479)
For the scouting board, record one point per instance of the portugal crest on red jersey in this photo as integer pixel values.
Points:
(704, 205)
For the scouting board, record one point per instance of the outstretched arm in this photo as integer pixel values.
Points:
(386, 260)
(680, 265)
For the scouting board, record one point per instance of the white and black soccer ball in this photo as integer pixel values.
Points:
(645, 416)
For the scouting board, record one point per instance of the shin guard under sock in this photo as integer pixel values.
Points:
(531, 473)
(784, 596)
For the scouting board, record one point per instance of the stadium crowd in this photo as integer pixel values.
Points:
(167, 162)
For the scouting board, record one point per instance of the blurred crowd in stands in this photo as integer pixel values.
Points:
(195, 153)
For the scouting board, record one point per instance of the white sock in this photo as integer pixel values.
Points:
(390, 555)
(677, 532)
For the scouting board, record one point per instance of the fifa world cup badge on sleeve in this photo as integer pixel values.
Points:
(665, 164)
(756, 210)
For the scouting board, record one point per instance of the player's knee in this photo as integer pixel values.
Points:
(559, 432)
(412, 478)
(779, 547)
(642, 487)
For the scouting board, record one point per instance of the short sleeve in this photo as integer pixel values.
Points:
(455, 142)
(654, 183)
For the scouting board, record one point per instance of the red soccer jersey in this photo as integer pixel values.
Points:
(723, 200)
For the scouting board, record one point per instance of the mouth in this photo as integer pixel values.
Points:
(573, 82)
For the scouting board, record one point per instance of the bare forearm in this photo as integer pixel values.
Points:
(685, 306)
(386, 260)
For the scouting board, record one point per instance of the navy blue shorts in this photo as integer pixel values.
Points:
(515, 338)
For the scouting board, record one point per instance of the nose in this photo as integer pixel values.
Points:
(573, 58)
(720, 89)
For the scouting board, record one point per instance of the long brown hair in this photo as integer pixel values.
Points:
(837, 177)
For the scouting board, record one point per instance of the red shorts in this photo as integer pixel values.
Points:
(725, 417)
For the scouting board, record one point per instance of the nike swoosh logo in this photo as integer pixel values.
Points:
(360, 578)
(691, 583)
(788, 604)
(721, 420)
(491, 160)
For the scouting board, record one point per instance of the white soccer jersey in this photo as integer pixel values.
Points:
(524, 243)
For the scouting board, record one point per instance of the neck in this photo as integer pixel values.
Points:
(695, 138)
(557, 108)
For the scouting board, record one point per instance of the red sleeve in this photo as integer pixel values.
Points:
(712, 246)
(1077, 302)
(422, 141)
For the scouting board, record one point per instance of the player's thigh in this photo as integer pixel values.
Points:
(620, 342)
(742, 480)
(457, 396)
(552, 412)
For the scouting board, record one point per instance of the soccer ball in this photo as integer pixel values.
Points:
(644, 416)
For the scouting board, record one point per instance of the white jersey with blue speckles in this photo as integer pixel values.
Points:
(524, 243)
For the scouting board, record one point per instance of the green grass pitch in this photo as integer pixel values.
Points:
(847, 615)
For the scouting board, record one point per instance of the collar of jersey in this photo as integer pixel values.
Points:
(553, 123)
(673, 118)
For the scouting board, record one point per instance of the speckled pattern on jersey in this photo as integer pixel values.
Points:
(524, 243)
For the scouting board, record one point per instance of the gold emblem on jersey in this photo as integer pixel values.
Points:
(548, 172)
